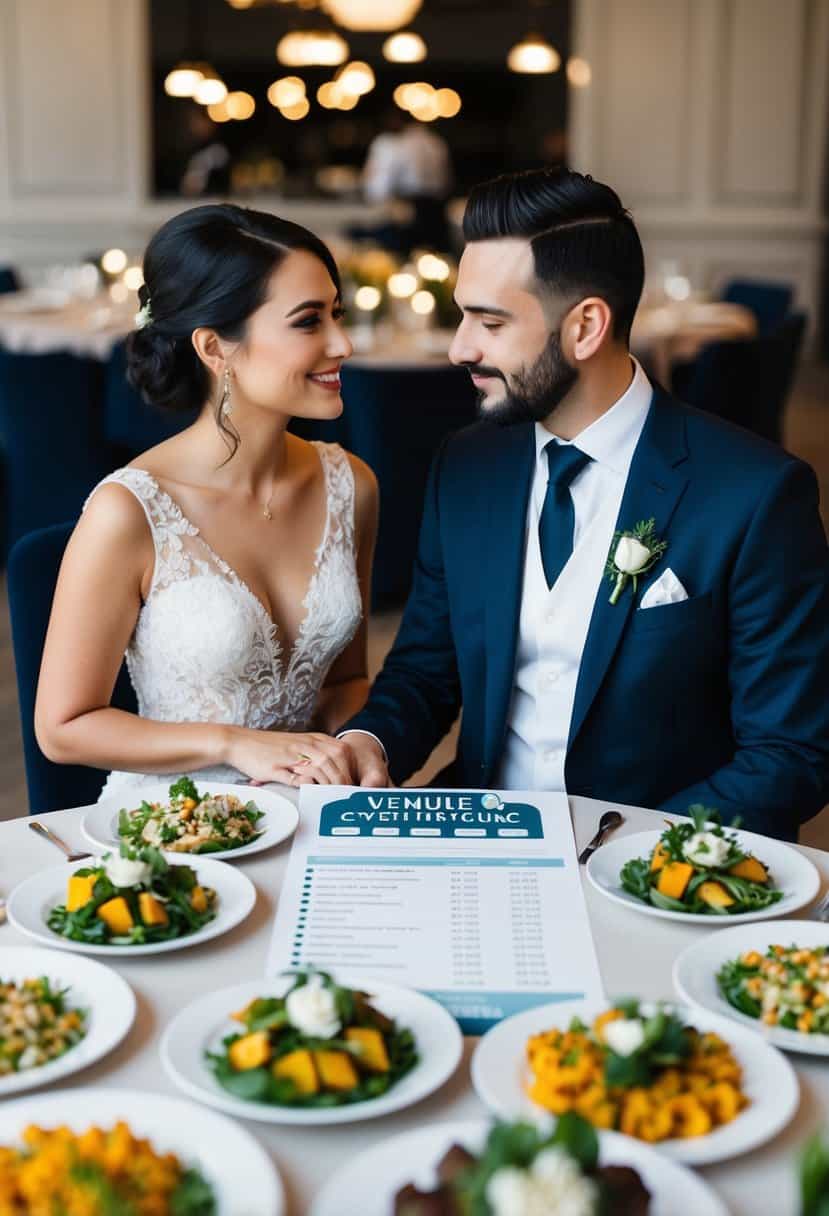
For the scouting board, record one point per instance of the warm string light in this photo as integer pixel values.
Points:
(372, 16)
(312, 48)
(533, 55)
(426, 103)
(404, 47)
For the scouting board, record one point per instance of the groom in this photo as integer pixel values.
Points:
(705, 678)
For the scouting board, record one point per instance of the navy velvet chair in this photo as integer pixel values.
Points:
(749, 382)
(33, 570)
(396, 419)
(50, 420)
(130, 425)
(770, 302)
(8, 280)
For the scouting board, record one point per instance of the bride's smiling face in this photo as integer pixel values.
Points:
(294, 344)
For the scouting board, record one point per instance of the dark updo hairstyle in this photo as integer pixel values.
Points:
(208, 266)
(584, 241)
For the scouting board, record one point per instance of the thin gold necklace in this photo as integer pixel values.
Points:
(267, 511)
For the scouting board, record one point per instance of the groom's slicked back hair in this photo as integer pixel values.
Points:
(584, 242)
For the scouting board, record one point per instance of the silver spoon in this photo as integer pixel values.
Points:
(48, 834)
(608, 822)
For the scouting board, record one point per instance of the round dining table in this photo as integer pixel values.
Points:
(635, 954)
(38, 322)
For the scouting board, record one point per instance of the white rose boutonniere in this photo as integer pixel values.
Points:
(633, 554)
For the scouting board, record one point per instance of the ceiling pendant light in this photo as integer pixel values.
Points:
(533, 55)
(311, 48)
(211, 88)
(372, 15)
(404, 47)
(183, 80)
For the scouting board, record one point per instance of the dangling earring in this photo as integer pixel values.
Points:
(226, 407)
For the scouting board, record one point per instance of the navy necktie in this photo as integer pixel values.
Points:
(557, 521)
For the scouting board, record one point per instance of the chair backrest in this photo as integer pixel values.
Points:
(778, 353)
(131, 425)
(50, 421)
(748, 382)
(770, 302)
(9, 280)
(34, 563)
(396, 419)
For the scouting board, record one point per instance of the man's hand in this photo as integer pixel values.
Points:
(368, 761)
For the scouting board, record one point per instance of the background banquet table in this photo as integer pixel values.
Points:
(635, 955)
(35, 323)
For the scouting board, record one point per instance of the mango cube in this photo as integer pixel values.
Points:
(79, 891)
(251, 1051)
(152, 910)
(336, 1070)
(372, 1048)
(116, 915)
(297, 1066)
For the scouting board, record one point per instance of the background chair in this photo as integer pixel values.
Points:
(749, 382)
(33, 570)
(395, 422)
(130, 425)
(55, 452)
(9, 280)
(770, 302)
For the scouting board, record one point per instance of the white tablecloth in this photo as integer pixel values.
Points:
(661, 333)
(635, 956)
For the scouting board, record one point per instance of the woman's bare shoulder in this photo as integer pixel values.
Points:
(113, 515)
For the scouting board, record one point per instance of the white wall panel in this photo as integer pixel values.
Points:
(63, 94)
(646, 92)
(764, 88)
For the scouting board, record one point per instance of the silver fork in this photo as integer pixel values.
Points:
(822, 910)
(42, 830)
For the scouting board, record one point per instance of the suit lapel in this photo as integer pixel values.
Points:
(654, 487)
(508, 492)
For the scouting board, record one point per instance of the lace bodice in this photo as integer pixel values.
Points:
(205, 649)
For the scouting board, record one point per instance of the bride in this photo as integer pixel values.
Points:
(231, 562)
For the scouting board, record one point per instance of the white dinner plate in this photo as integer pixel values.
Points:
(695, 974)
(100, 823)
(202, 1025)
(106, 999)
(791, 873)
(32, 900)
(244, 1179)
(368, 1182)
(500, 1072)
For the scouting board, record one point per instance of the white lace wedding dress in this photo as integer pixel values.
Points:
(205, 649)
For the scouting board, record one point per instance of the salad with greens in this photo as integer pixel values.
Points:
(133, 898)
(698, 866)
(191, 822)
(524, 1168)
(786, 986)
(318, 1045)
(37, 1024)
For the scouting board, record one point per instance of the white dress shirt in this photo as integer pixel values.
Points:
(554, 621)
(414, 161)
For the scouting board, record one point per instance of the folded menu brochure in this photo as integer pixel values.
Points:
(472, 896)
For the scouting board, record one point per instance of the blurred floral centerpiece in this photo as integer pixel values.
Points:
(365, 275)
(414, 294)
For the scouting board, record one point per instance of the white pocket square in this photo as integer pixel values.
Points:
(666, 590)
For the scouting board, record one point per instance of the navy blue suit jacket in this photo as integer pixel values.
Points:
(721, 699)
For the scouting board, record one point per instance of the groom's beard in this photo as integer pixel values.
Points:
(533, 393)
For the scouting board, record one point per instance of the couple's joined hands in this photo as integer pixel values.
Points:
(307, 758)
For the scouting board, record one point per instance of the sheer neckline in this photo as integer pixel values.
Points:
(236, 578)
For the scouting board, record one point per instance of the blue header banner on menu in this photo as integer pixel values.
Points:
(453, 814)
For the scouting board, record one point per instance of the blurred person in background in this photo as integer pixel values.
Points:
(409, 162)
